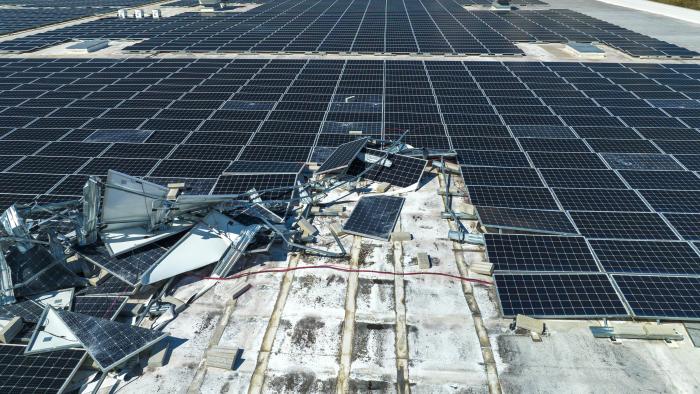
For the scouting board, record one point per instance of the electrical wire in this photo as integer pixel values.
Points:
(349, 270)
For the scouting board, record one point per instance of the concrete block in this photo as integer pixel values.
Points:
(308, 228)
(11, 329)
(423, 261)
(382, 187)
(159, 353)
(482, 268)
(223, 357)
(400, 236)
(337, 229)
(530, 324)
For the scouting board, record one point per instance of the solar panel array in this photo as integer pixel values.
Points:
(32, 14)
(360, 26)
(603, 151)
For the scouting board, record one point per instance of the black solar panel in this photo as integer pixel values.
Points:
(652, 257)
(537, 221)
(342, 156)
(104, 307)
(48, 372)
(539, 253)
(512, 197)
(108, 343)
(129, 266)
(404, 171)
(687, 225)
(374, 216)
(661, 297)
(558, 295)
(237, 184)
(600, 200)
(29, 311)
(623, 225)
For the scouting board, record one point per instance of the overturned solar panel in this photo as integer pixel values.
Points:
(51, 333)
(128, 213)
(374, 217)
(205, 244)
(398, 170)
(109, 343)
(57, 299)
(342, 156)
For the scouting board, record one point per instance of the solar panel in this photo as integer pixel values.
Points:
(29, 311)
(512, 197)
(661, 297)
(558, 295)
(687, 225)
(404, 171)
(130, 266)
(640, 161)
(342, 156)
(374, 216)
(48, 372)
(622, 225)
(36, 272)
(104, 307)
(600, 200)
(669, 180)
(539, 253)
(653, 257)
(109, 343)
(263, 167)
(110, 286)
(500, 176)
(681, 201)
(237, 184)
(536, 221)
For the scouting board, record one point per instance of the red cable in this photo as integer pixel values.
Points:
(343, 269)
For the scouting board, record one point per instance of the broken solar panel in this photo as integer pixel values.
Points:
(48, 372)
(128, 266)
(546, 222)
(29, 311)
(510, 252)
(109, 343)
(36, 271)
(342, 156)
(374, 217)
(661, 297)
(646, 257)
(109, 286)
(104, 307)
(563, 295)
(404, 171)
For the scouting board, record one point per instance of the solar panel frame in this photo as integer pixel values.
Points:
(366, 217)
(593, 297)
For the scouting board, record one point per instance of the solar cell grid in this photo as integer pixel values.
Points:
(512, 197)
(652, 257)
(537, 221)
(374, 216)
(45, 372)
(660, 297)
(539, 253)
(558, 295)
